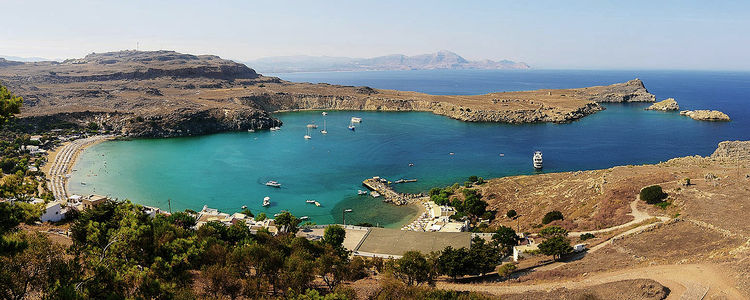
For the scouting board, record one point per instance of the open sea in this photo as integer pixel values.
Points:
(228, 170)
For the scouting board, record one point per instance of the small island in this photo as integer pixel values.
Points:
(706, 115)
(665, 105)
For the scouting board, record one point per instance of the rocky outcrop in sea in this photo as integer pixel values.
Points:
(706, 115)
(665, 105)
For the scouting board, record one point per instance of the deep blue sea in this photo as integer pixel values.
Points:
(226, 171)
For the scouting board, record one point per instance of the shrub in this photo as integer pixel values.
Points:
(587, 236)
(652, 194)
(663, 205)
(552, 216)
(473, 178)
(92, 126)
(506, 269)
(511, 214)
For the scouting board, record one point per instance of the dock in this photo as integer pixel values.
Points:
(381, 186)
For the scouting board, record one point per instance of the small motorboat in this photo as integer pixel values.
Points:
(351, 127)
(244, 207)
(251, 130)
(272, 183)
(451, 153)
(266, 201)
(411, 164)
(304, 218)
(537, 160)
(502, 154)
(361, 192)
(312, 126)
(83, 183)
(317, 203)
(325, 113)
(310, 201)
(307, 137)
(356, 120)
(275, 128)
(374, 194)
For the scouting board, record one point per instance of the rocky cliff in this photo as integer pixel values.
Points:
(733, 150)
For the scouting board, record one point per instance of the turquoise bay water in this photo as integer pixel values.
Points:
(226, 171)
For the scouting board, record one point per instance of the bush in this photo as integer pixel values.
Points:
(473, 178)
(663, 205)
(506, 269)
(587, 236)
(552, 216)
(652, 194)
(92, 126)
(511, 214)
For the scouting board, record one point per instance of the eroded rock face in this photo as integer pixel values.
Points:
(706, 115)
(665, 105)
(733, 149)
(631, 91)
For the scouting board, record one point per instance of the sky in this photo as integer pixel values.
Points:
(698, 35)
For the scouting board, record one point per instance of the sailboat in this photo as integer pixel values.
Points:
(307, 136)
(325, 130)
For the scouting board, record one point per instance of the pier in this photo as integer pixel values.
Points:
(383, 187)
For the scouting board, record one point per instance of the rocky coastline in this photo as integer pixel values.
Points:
(665, 105)
(167, 94)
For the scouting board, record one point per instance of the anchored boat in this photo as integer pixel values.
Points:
(266, 201)
(537, 160)
(356, 120)
(272, 183)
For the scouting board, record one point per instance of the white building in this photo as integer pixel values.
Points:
(53, 212)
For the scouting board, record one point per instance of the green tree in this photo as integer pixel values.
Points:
(182, 219)
(511, 214)
(413, 269)
(260, 217)
(556, 247)
(473, 178)
(9, 105)
(552, 216)
(482, 257)
(506, 269)
(334, 235)
(287, 222)
(452, 262)
(30, 271)
(652, 194)
(505, 237)
(553, 231)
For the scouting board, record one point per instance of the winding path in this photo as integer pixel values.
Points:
(689, 281)
(63, 162)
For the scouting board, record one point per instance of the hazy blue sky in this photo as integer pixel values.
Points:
(546, 34)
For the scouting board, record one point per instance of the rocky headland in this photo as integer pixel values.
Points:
(665, 105)
(706, 115)
(165, 93)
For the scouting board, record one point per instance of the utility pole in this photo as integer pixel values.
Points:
(169, 202)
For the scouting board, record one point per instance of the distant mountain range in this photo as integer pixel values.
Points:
(26, 59)
(439, 60)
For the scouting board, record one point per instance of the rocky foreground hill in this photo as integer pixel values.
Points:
(165, 93)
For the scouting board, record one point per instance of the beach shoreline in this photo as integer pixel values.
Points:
(60, 162)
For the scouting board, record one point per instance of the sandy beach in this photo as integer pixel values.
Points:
(61, 161)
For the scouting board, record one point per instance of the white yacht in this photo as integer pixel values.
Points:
(361, 192)
(310, 201)
(251, 130)
(275, 128)
(325, 113)
(266, 201)
(272, 183)
(307, 136)
(537, 159)
(356, 120)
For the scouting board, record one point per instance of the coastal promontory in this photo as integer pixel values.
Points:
(165, 93)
